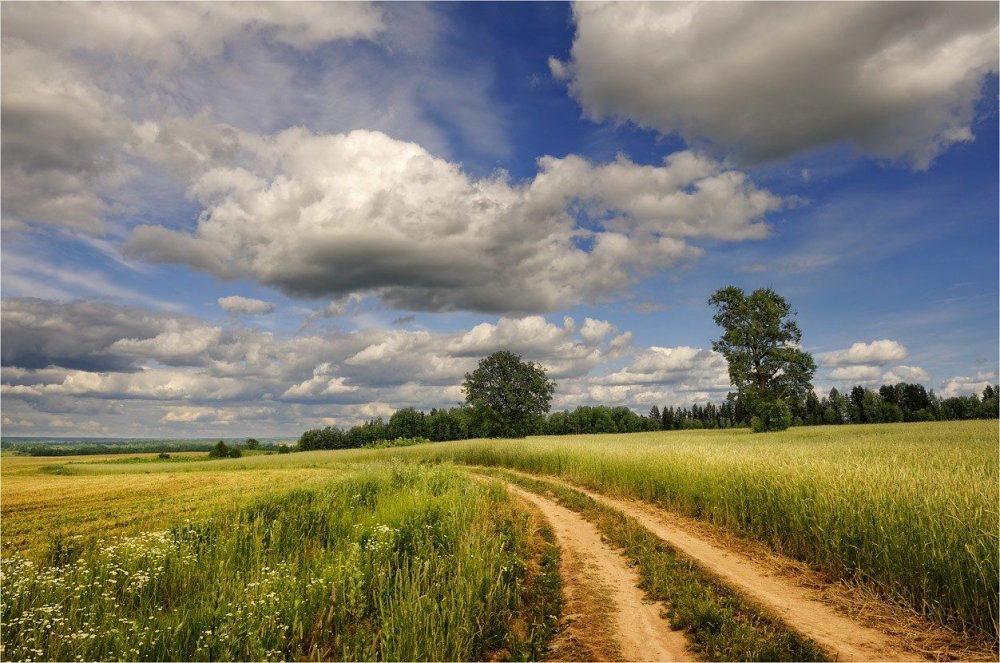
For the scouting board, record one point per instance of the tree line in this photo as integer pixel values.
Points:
(903, 402)
(770, 372)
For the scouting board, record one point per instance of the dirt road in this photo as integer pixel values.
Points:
(608, 615)
(841, 636)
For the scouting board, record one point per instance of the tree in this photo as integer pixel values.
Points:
(252, 444)
(408, 422)
(508, 396)
(760, 342)
(654, 418)
(220, 450)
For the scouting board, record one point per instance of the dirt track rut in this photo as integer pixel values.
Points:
(842, 637)
(611, 619)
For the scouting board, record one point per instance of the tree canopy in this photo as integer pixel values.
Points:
(507, 395)
(760, 341)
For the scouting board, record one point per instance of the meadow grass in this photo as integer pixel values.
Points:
(910, 510)
(397, 563)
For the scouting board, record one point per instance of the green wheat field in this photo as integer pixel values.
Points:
(401, 554)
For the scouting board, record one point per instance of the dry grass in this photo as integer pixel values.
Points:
(36, 504)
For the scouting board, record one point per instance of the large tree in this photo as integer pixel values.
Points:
(508, 396)
(760, 341)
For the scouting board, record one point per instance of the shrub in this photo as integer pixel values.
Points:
(219, 451)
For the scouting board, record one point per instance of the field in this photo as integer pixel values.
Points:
(361, 540)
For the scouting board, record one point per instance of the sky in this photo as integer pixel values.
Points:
(254, 219)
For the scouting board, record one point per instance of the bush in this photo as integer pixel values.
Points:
(219, 451)
(163, 455)
(283, 449)
(235, 453)
(772, 416)
(397, 442)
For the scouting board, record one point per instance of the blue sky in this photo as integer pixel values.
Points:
(255, 220)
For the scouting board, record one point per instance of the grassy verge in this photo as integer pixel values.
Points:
(906, 510)
(721, 624)
(402, 563)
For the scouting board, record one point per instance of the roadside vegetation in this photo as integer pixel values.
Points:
(908, 510)
(399, 563)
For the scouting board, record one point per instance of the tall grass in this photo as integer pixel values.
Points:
(909, 510)
(392, 564)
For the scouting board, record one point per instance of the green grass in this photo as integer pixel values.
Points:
(910, 510)
(398, 563)
(720, 623)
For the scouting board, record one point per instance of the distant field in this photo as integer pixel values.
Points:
(909, 510)
(39, 498)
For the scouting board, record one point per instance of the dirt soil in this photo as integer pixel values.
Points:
(799, 607)
(606, 615)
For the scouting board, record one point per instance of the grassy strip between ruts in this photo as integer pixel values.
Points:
(721, 624)
(400, 563)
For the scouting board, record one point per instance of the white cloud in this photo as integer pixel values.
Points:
(594, 331)
(245, 305)
(178, 344)
(61, 140)
(960, 385)
(172, 33)
(898, 80)
(76, 75)
(906, 374)
(865, 374)
(156, 384)
(880, 352)
(331, 215)
(322, 383)
(685, 368)
(78, 334)
(218, 415)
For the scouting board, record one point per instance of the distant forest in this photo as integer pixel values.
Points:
(94, 446)
(888, 404)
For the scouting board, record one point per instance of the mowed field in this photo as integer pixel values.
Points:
(343, 554)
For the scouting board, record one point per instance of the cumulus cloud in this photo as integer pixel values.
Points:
(684, 367)
(177, 344)
(245, 305)
(62, 139)
(965, 385)
(594, 331)
(322, 383)
(155, 384)
(171, 33)
(906, 374)
(331, 215)
(193, 369)
(67, 132)
(898, 80)
(880, 352)
(218, 415)
(858, 373)
(78, 335)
